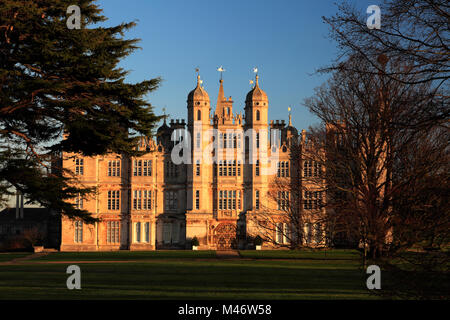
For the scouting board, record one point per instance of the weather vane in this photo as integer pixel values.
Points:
(255, 70)
(221, 70)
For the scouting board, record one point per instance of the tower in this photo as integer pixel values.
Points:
(256, 108)
(256, 145)
(199, 171)
(198, 105)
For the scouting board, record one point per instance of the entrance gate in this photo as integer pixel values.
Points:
(225, 236)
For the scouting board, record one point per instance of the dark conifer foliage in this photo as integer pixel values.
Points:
(57, 82)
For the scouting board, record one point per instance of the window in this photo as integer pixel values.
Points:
(234, 200)
(283, 169)
(142, 200)
(199, 115)
(312, 168)
(282, 233)
(197, 168)
(112, 232)
(239, 168)
(171, 200)
(138, 232)
(227, 199)
(79, 166)
(197, 199)
(318, 233)
(167, 233)
(147, 232)
(171, 169)
(175, 233)
(283, 200)
(114, 168)
(279, 230)
(312, 200)
(257, 199)
(147, 168)
(113, 200)
(257, 168)
(228, 168)
(286, 234)
(239, 200)
(137, 200)
(78, 231)
(307, 168)
(317, 169)
(79, 202)
(257, 140)
(142, 168)
(198, 140)
(147, 200)
(309, 232)
(257, 115)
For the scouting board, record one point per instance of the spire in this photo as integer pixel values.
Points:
(198, 81)
(221, 95)
(256, 80)
(290, 117)
(220, 99)
(224, 105)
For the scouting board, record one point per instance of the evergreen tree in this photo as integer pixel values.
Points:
(55, 82)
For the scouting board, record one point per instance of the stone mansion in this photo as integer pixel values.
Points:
(153, 202)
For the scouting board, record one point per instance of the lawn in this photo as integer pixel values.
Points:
(336, 254)
(128, 255)
(8, 256)
(189, 275)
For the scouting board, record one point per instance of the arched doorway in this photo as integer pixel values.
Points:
(225, 236)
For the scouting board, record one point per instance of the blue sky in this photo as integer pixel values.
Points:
(286, 40)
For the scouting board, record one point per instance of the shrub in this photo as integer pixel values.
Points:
(194, 241)
(258, 241)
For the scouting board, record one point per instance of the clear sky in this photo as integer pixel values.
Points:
(286, 40)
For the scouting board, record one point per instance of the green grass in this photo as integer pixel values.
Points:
(340, 254)
(4, 257)
(185, 275)
(127, 255)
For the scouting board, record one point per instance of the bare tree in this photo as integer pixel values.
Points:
(290, 219)
(414, 30)
(371, 124)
